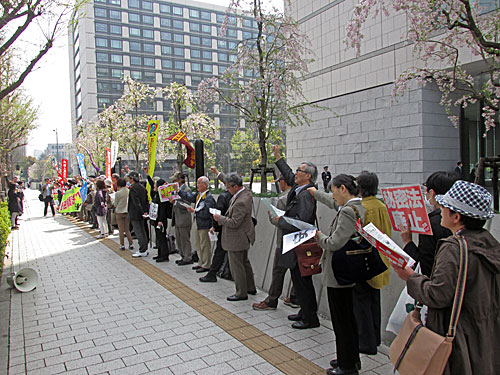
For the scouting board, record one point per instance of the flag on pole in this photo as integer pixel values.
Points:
(182, 139)
(153, 130)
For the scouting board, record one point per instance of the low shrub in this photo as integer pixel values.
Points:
(4, 230)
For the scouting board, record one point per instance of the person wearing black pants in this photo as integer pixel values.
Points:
(161, 223)
(138, 209)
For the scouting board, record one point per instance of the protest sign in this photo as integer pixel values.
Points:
(153, 130)
(83, 172)
(114, 153)
(292, 240)
(107, 164)
(71, 201)
(168, 191)
(407, 204)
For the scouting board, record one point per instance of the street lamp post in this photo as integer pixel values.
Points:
(57, 147)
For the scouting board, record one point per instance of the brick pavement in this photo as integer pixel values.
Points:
(99, 311)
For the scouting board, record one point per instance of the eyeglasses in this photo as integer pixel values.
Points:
(300, 170)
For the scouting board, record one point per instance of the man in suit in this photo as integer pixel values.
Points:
(47, 197)
(326, 176)
(237, 235)
(138, 209)
(459, 170)
(203, 201)
(182, 222)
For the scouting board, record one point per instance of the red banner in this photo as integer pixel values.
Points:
(107, 167)
(64, 169)
(407, 204)
(182, 139)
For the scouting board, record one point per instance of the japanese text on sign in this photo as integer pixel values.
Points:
(168, 191)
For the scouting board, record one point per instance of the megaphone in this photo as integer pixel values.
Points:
(24, 280)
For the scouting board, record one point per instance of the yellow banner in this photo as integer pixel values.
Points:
(153, 129)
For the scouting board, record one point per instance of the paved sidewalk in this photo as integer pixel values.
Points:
(97, 310)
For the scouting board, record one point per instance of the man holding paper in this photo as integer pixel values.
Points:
(182, 222)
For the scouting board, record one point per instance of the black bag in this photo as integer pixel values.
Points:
(357, 261)
(40, 197)
(171, 244)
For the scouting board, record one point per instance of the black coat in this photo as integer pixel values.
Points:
(222, 205)
(425, 252)
(137, 202)
(164, 210)
(13, 198)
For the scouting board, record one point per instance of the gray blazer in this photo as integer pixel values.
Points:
(341, 230)
(182, 216)
(239, 231)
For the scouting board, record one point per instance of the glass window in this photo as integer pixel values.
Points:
(99, 12)
(148, 34)
(164, 8)
(148, 20)
(135, 60)
(117, 44)
(135, 74)
(134, 4)
(195, 67)
(232, 33)
(220, 18)
(101, 42)
(205, 15)
(166, 78)
(149, 61)
(166, 50)
(195, 40)
(147, 5)
(166, 64)
(247, 35)
(178, 38)
(102, 72)
(232, 58)
(194, 13)
(165, 22)
(233, 45)
(222, 56)
(165, 36)
(207, 68)
(101, 27)
(115, 2)
(179, 65)
(135, 46)
(102, 87)
(194, 27)
(101, 1)
(116, 73)
(207, 29)
(177, 10)
(148, 47)
(115, 29)
(207, 42)
(195, 80)
(103, 101)
(247, 22)
(222, 69)
(134, 17)
(117, 87)
(115, 14)
(179, 51)
(207, 55)
(195, 54)
(149, 76)
(178, 24)
(134, 31)
(221, 44)
(117, 59)
(102, 57)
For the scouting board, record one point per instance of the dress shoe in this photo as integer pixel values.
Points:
(334, 363)
(184, 262)
(178, 261)
(201, 270)
(287, 301)
(339, 371)
(159, 260)
(295, 317)
(263, 306)
(156, 257)
(304, 325)
(252, 292)
(208, 279)
(234, 298)
(196, 267)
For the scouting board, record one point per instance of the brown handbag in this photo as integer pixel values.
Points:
(309, 257)
(419, 351)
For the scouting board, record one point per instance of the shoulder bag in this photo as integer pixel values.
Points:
(419, 351)
(309, 257)
(357, 260)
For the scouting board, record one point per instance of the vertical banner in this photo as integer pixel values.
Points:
(153, 129)
(64, 169)
(107, 167)
(114, 153)
(83, 172)
(405, 204)
(181, 138)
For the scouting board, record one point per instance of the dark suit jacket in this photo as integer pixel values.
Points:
(138, 203)
(238, 230)
(202, 215)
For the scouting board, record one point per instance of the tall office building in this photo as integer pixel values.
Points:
(155, 42)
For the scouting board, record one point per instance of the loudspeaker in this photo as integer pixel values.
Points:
(24, 280)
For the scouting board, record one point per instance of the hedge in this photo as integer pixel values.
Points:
(4, 230)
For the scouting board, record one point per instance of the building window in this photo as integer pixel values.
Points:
(116, 73)
(221, 44)
(101, 27)
(135, 60)
(205, 16)
(101, 102)
(179, 51)
(222, 56)
(207, 42)
(177, 24)
(147, 5)
(207, 68)
(164, 8)
(220, 18)
(222, 69)
(115, 14)
(134, 4)
(102, 87)
(117, 59)
(150, 76)
(115, 2)
(149, 61)
(194, 27)
(196, 80)
(148, 34)
(195, 67)
(247, 35)
(116, 44)
(179, 78)
(148, 20)
(134, 17)
(101, 42)
(115, 29)
(166, 64)
(135, 74)
(195, 54)
(195, 40)
(232, 45)
(135, 46)
(102, 72)
(177, 10)
(117, 87)
(100, 13)
(166, 50)
(134, 31)
(194, 13)
(165, 36)
(165, 22)
(232, 58)
(179, 65)
(247, 22)
(178, 38)
(148, 47)
(206, 29)
(166, 78)
(102, 57)
(207, 55)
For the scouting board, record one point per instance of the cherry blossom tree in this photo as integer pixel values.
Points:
(186, 117)
(444, 33)
(91, 141)
(264, 83)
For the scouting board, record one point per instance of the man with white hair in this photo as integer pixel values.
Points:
(203, 221)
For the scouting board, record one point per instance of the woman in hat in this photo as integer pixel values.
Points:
(465, 209)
